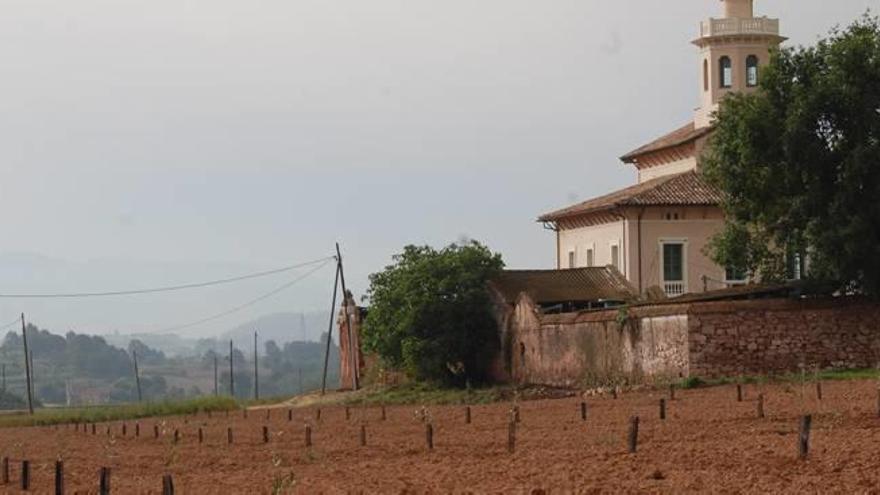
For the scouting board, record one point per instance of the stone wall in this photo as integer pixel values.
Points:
(781, 335)
(706, 339)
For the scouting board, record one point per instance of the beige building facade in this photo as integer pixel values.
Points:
(656, 231)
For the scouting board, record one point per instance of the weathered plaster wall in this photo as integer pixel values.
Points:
(592, 348)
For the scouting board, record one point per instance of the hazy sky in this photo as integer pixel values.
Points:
(162, 141)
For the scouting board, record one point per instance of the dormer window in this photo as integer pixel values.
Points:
(752, 71)
(726, 72)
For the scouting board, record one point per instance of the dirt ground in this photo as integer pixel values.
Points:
(709, 442)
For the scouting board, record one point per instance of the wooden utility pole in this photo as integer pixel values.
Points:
(137, 375)
(33, 375)
(231, 372)
(330, 331)
(4, 377)
(256, 372)
(355, 379)
(27, 367)
(216, 381)
(300, 371)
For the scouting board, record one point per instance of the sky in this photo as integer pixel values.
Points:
(156, 142)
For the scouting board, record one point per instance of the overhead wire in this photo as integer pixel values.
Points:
(252, 302)
(70, 295)
(11, 323)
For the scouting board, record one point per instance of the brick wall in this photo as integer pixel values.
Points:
(780, 335)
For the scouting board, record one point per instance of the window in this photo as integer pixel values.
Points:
(726, 69)
(705, 75)
(735, 276)
(752, 71)
(571, 259)
(615, 256)
(673, 271)
(591, 257)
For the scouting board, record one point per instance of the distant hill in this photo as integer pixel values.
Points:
(280, 327)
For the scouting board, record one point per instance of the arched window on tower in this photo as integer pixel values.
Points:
(705, 75)
(726, 69)
(752, 71)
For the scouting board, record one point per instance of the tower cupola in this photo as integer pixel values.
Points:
(732, 51)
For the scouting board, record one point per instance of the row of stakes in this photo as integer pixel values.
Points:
(803, 441)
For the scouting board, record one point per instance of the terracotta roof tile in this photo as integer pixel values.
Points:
(558, 286)
(680, 136)
(686, 189)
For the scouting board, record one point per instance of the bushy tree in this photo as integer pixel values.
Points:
(799, 164)
(430, 313)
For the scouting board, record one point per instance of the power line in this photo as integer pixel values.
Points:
(252, 302)
(168, 288)
(11, 323)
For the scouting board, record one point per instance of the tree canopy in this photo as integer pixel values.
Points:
(798, 162)
(430, 313)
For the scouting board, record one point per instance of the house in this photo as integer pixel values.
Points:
(656, 231)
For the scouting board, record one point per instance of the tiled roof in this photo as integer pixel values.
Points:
(677, 137)
(558, 286)
(686, 189)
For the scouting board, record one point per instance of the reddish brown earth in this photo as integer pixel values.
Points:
(709, 443)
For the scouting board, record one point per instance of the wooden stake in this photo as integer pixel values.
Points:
(59, 478)
(614, 392)
(104, 484)
(94, 429)
(383, 413)
(201, 436)
(290, 415)
(308, 435)
(124, 429)
(268, 414)
(229, 436)
(137, 430)
(739, 392)
(633, 434)
(167, 485)
(516, 413)
(804, 436)
(4, 470)
(819, 390)
(25, 475)
(583, 411)
(155, 431)
(429, 435)
(761, 406)
(467, 415)
(318, 414)
(878, 402)
(511, 436)
(176, 436)
(265, 434)
(347, 413)
(662, 409)
(363, 435)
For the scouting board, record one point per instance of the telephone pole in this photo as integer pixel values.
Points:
(256, 372)
(231, 372)
(137, 376)
(216, 382)
(27, 367)
(330, 331)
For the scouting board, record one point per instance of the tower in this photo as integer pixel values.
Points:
(732, 51)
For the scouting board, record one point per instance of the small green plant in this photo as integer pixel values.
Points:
(692, 382)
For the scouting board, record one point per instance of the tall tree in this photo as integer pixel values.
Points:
(799, 164)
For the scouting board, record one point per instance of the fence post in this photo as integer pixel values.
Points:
(308, 435)
(290, 415)
(633, 434)
(167, 485)
(804, 436)
(739, 392)
(467, 415)
(155, 431)
(229, 436)
(583, 411)
(363, 435)
(265, 434)
(104, 484)
(201, 435)
(383, 413)
(137, 430)
(25, 475)
(760, 405)
(511, 436)
(819, 390)
(429, 435)
(662, 409)
(4, 467)
(59, 477)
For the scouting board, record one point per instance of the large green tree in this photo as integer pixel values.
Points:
(430, 313)
(798, 162)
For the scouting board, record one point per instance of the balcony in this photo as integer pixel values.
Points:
(673, 289)
(727, 27)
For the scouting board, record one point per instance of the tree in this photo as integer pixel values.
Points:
(430, 313)
(798, 162)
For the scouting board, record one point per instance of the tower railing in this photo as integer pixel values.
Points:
(757, 25)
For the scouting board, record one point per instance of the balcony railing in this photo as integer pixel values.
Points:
(673, 289)
(757, 25)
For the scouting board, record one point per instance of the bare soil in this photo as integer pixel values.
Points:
(709, 442)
